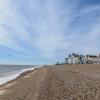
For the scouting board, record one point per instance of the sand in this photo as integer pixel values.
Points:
(24, 87)
(60, 82)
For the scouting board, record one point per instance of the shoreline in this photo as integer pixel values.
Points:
(28, 81)
(18, 75)
(55, 82)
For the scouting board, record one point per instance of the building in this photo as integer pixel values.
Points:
(66, 61)
(76, 60)
(82, 59)
(90, 59)
(97, 60)
(72, 59)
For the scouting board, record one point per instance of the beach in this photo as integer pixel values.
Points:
(55, 82)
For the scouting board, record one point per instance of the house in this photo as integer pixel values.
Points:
(66, 60)
(72, 59)
(97, 60)
(82, 59)
(76, 60)
(90, 59)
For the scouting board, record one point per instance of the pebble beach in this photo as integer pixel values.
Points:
(55, 82)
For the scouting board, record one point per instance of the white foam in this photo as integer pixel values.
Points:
(15, 75)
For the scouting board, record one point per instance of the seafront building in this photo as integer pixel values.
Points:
(97, 60)
(82, 59)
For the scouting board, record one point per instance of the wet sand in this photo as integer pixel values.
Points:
(60, 82)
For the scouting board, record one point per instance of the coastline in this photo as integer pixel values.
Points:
(55, 82)
(29, 80)
(15, 76)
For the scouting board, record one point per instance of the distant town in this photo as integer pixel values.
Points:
(81, 59)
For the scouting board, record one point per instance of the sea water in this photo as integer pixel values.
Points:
(10, 72)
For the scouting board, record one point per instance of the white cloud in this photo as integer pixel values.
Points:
(53, 29)
(9, 18)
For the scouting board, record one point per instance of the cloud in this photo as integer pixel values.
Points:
(71, 29)
(10, 28)
(48, 28)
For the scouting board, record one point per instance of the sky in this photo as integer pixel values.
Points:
(46, 31)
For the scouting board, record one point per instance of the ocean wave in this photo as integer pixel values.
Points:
(14, 75)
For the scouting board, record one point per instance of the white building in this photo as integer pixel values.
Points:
(97, 60)
(72, 59)
(90, 59)
(66, 61)
(80, 59)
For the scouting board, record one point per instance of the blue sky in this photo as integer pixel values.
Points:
(44, 31)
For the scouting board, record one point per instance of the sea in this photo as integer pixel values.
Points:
(10, 72)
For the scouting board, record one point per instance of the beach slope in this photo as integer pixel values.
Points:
(60, 82)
